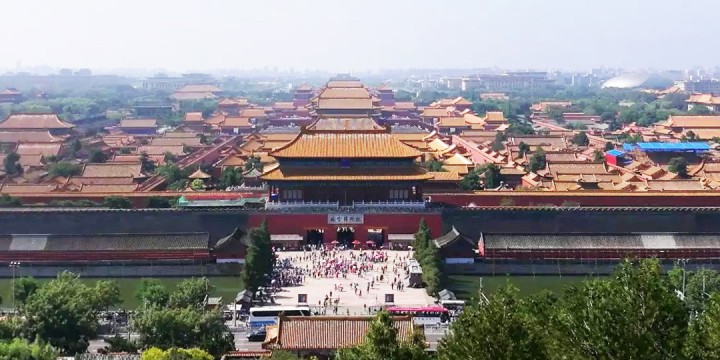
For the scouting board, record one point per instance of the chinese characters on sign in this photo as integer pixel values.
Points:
(339, 219)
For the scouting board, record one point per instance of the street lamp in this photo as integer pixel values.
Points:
(13, 265)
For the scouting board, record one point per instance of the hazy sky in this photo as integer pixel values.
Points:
(344, 35)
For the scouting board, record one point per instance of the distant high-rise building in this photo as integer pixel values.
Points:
(703, 86)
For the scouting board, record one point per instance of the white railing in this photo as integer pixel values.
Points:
(399, 204)
(290, 205)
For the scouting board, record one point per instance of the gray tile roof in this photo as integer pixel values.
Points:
(600, 241)
(105, 242)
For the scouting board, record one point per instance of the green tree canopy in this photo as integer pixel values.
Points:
(175, 354)
(191, 293)
(64, 169)
(259, 259)
(581, 139)
(9, 201)
(151, 292)
(107, 294)
(231, 176)
(679, 166)
(187, 327)
(434, 165)
(21, 349)
(11, 164)
(491, 174)
(97, 156)
(537, 160)
(64, 312)
(523, 148)
(502, 328)
(23, 288)
(254, 162)
(148, 165)
(118, 202)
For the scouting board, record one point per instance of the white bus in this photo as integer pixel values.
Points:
(267, 315)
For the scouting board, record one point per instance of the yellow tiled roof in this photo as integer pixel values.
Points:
(350, 144)
(327, 173)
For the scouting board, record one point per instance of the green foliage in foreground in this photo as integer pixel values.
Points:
(20, 349)
(634, 314)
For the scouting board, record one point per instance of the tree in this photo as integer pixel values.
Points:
(259, 259)
(691, 136)
(253, 162)
(678, 165)
(75, 146)
(151, 292)
(609, 146)
(191, 293)
(581, 139)
(23, 288)
(173, 175)
(11, 164)
(502, 328)
(97, 156)
(197, 184)
(497, 144)
(492, 175)
(434, 165)
(120, 344)
(229, 177)
(523, 148)
(160, 202)
(169, 157)
(64, 169)
(9, 201)
(107, 294)
(175, 354)
(21, 349)
(383, 342)
(700, 110)
(634, 314)
(188, 327)
(118, 202)
(147, 164)
(598, 156)
(471, 180)
(64, 312)
(704, 333)
(537, 160)
(697, 287)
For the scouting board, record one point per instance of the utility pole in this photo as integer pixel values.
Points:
(13, 266)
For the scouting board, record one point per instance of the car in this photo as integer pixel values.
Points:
(257, 335)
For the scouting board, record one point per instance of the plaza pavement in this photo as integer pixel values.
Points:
(317, 288)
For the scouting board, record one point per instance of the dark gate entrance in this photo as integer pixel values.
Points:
(345, 236)
(315, 237)
(376, 237)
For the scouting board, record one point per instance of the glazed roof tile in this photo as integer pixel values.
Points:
(34, 121)
(351, 144)
(327, 173)
(328, 332)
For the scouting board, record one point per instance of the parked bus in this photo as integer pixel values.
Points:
(268, 315)
(423, 315)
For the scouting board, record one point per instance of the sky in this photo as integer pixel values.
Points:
(347, 36)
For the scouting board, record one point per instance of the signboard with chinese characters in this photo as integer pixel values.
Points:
(342, 219)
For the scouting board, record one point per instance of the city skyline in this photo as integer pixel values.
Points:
(184, 36)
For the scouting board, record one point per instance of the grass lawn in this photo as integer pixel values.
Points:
(225, 286)
(466, 286)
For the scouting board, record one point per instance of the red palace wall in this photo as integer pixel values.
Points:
(406, 223)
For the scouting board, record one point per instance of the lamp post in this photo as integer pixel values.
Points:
(13, 265)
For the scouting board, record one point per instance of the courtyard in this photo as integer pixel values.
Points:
(337, 285)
